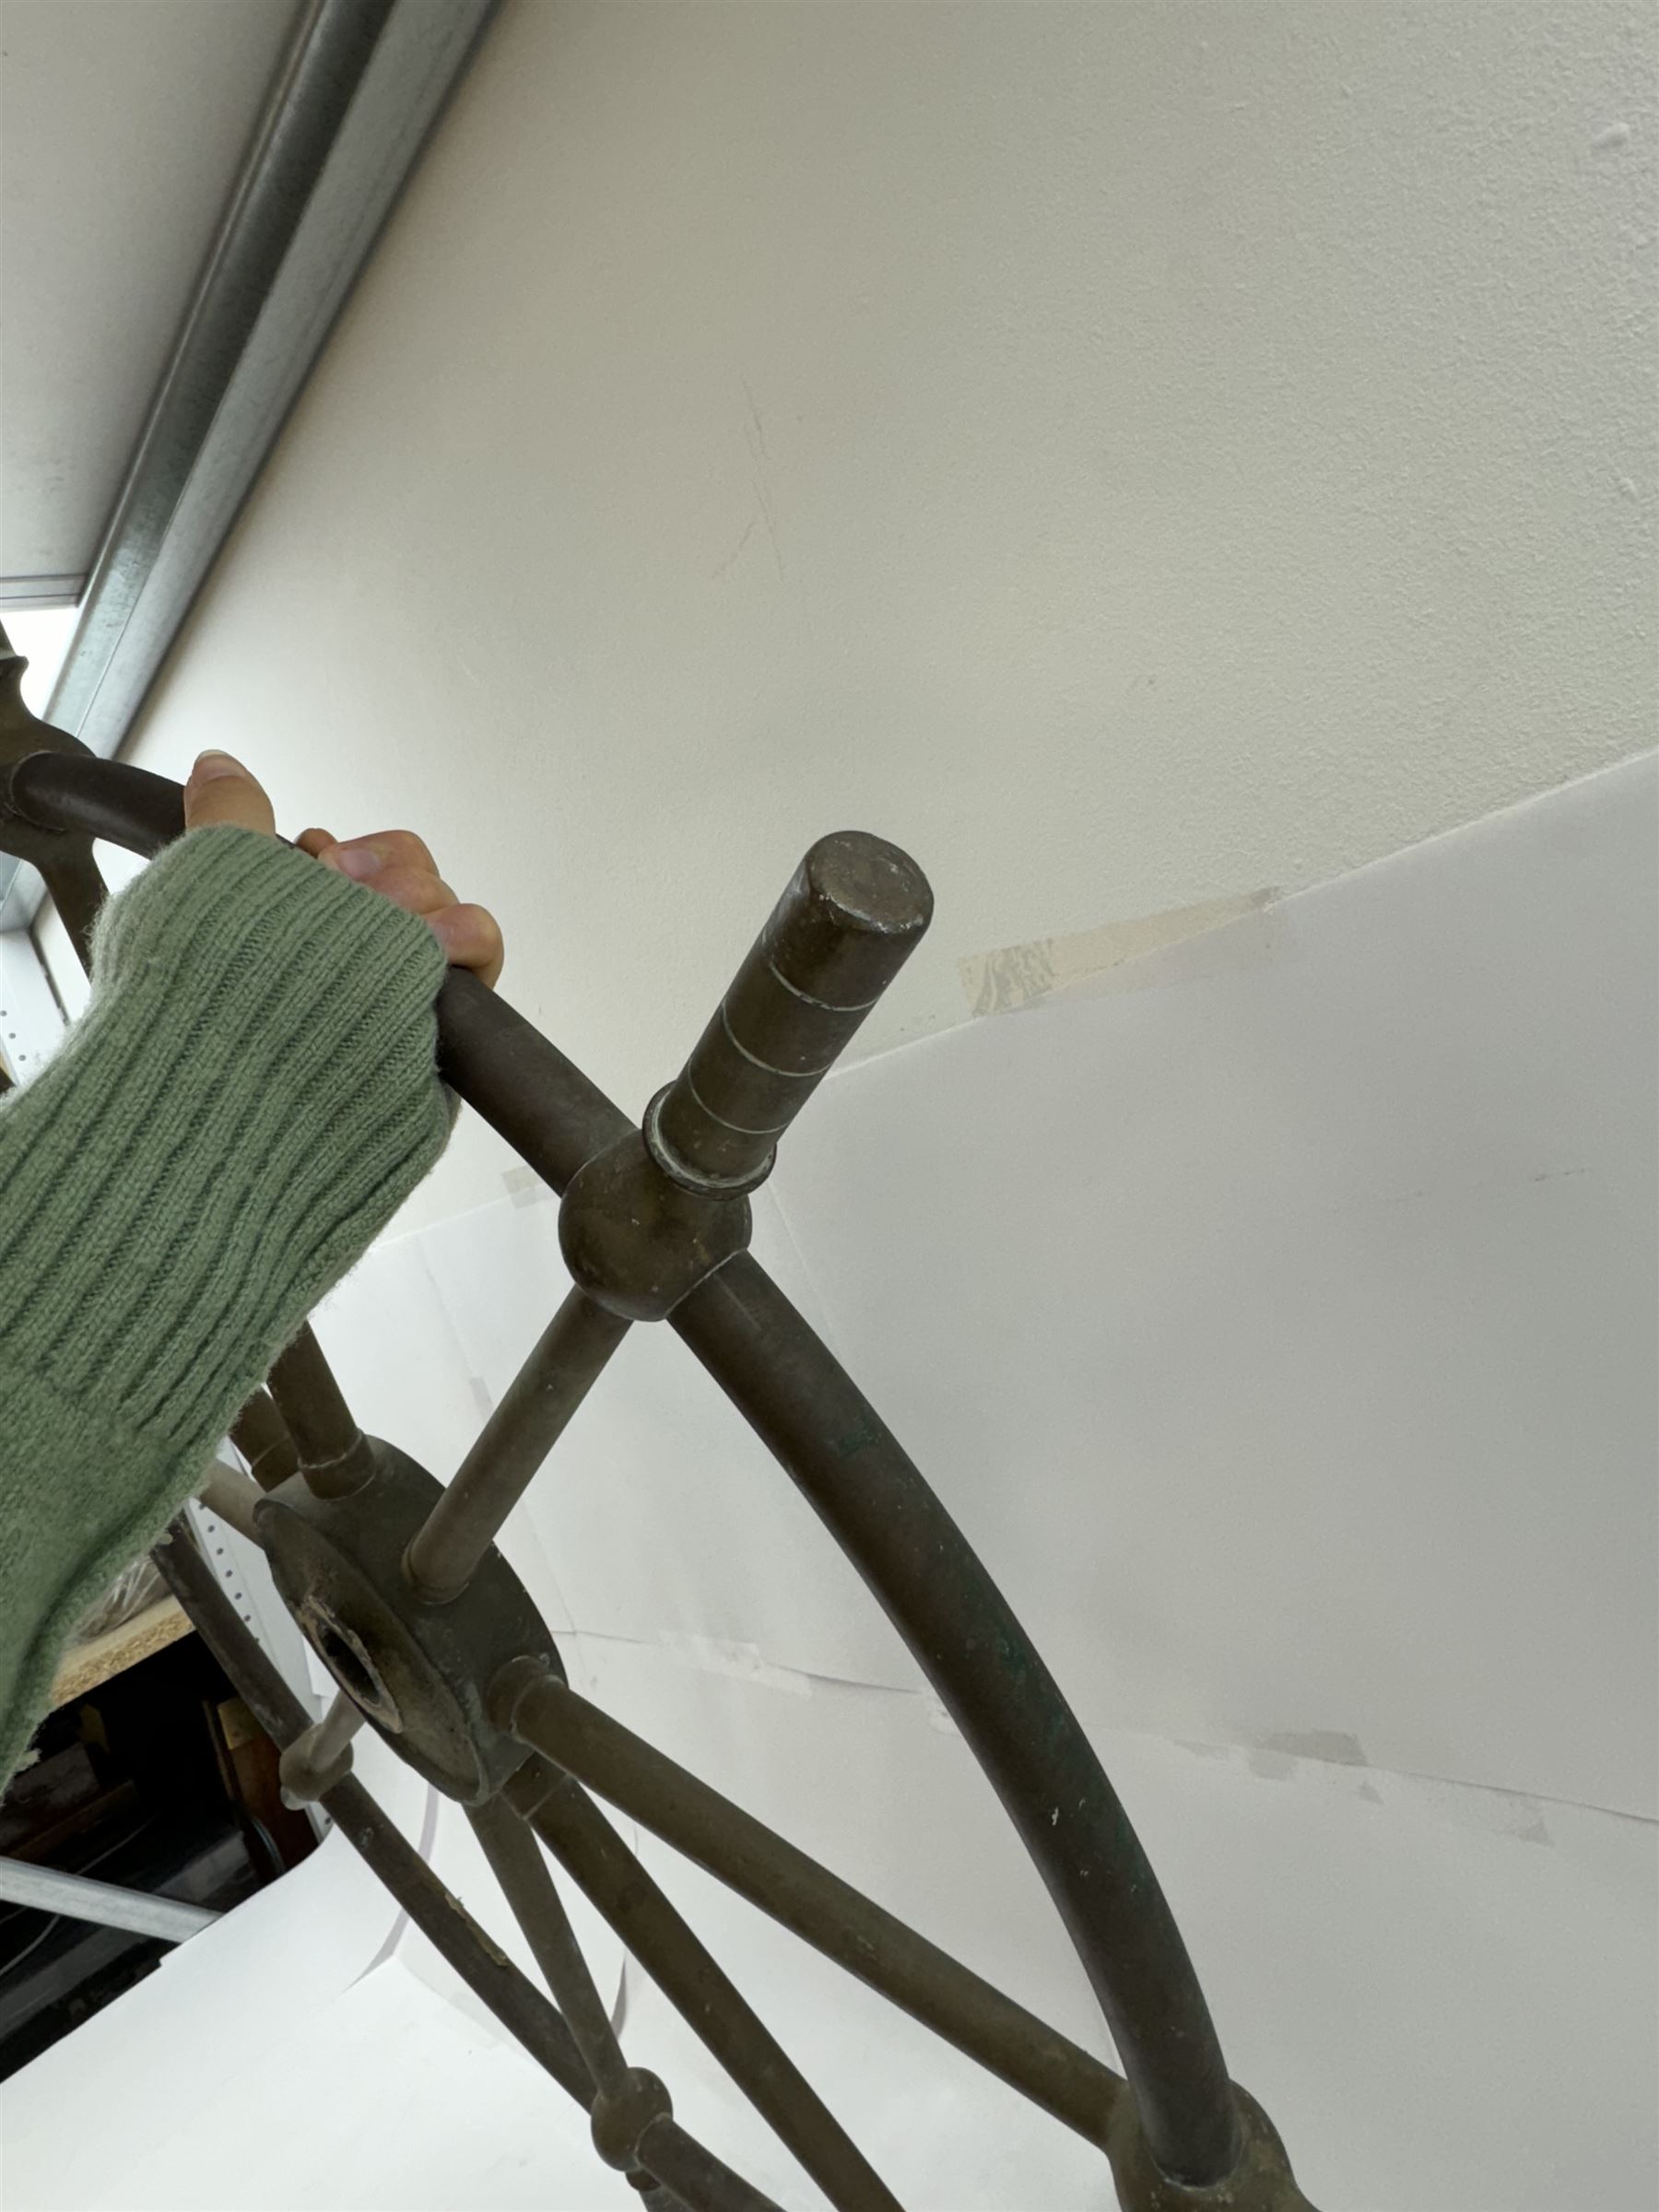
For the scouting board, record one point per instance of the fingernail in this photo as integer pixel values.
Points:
(361, 861)
(211, 764)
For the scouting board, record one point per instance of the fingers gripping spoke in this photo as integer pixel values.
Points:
(593, 1854)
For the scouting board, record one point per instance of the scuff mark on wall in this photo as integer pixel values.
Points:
(1318, 1743)
(525, 1186)
(1016, 976)
(1332, 1759)
(718, 1655)
(1270, 1766)
(760, 463)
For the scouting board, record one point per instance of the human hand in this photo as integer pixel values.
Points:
(395, 862)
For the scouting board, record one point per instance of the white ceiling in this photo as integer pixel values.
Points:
(121, 128)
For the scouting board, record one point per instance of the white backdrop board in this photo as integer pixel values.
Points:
(1445, 2009)
(1281, 1322)
(1276, 1313)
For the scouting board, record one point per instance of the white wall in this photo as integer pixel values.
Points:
(1131, 455)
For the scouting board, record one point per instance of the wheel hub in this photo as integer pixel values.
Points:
(416, 1669)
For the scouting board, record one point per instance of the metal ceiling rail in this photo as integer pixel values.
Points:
(353, 104)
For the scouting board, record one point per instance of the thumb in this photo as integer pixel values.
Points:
(221, 790)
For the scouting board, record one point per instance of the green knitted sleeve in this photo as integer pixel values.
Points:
(250, 1095)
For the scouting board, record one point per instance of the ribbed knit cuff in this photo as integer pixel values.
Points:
(250, 1095)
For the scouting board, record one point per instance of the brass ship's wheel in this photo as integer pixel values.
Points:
(398, 1585)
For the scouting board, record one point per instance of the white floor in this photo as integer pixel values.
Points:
(1447, 2006)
